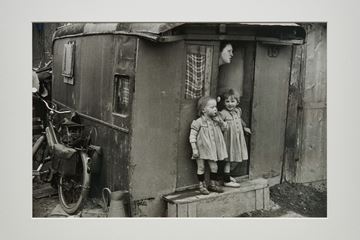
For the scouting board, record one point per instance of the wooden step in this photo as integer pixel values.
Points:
(252, 195)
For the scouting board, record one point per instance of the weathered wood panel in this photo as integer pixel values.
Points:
(252, 195)
(186, 167)
(97, 57)
(62, 92)
(291, 134)
(312, 163)
(152, 170)
(269, 110)
(115, 154)
(171, 210)
(91, 95)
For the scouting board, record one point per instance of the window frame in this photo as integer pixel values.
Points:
(68, 76)
(115, 93)
(214, 67)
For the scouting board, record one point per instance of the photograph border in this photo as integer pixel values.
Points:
(343, 115)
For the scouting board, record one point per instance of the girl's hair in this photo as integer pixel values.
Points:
(228, 93)
(202, 103)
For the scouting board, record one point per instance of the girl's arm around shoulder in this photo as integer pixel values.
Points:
(220, 120)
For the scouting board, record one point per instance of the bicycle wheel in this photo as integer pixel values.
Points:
(73, 190)
(41, 158)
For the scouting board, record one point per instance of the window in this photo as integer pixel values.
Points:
(68, 63)
(198, 71)
(121, 94)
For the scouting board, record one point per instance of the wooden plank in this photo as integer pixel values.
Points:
(314, 105)
(172, 210)
(230, 205)
(153, 158)
(312, 132)
(194, 195)
(312, 165)
(44, 191)
(182, 210)
(266, 198)
(269, 110)
(259, 199)
(289, 165)
(192, 209)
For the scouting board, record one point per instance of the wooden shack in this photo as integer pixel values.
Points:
(128, 81)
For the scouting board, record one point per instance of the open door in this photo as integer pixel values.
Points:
(269, 109)
(239, 75)
(200, 79)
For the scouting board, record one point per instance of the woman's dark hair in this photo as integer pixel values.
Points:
(223, 45)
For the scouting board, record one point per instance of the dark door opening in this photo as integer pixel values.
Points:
(239, 75)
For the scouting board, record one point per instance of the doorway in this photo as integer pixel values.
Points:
(239, 75)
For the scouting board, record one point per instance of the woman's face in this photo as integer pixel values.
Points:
(227, 53)
(231, 103)
(210, 109)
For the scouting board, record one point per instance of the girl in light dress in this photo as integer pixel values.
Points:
(233, 134)
(207, 143)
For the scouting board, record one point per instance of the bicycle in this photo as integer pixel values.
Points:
(61, 158)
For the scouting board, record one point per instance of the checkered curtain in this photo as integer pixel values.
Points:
(195, 75)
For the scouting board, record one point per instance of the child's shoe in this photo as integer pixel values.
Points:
(214, 188)
(202, 188)
(232, 179)
(232, 184)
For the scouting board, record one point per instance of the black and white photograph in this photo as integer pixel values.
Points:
(179, 120)
(148, 119)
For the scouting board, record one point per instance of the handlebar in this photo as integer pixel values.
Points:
(50, 108)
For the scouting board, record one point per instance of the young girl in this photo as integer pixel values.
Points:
(234, 134)
(207, 143)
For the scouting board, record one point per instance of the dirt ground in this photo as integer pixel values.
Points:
(307, 201)
(287, 200)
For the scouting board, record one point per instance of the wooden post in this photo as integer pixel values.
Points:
(289, 166)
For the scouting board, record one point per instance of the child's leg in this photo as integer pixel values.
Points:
(214, 177)
(201, 176)
(227, 181)
(200, 169)
(221, 166)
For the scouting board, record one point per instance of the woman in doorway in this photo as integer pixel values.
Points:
(232, 96)
(226, 53)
